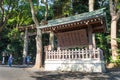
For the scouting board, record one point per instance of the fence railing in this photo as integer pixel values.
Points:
(75, 54)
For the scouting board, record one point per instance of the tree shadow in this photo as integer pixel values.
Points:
(44, 75)
(57, 75)
(18, 66)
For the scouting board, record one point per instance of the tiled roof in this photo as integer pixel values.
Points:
(78, 17)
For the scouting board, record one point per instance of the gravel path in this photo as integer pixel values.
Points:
(14, 73)
(23, 73)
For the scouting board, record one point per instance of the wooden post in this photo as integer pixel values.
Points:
(51, 40)
(90, 37)
(25, 49)
(91, 8)
(93, 40)
(3, 58)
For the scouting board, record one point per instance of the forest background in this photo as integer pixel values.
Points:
(17, 13)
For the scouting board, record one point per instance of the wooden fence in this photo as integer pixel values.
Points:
(82, 54)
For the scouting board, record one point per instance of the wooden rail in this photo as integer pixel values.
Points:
(82, 54)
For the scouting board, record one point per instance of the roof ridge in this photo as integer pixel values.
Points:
(78, 16)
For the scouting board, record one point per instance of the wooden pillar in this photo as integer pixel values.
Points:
(51, 40)
(3, 58)
(90, 37)
(93, 40)
(25, 49)
(91, 8)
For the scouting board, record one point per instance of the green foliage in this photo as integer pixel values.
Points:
(118, 4)
(62, 8)
(32, 47)
(14, 34)
(67, 8)
(16, 42)
(21, 15)
(116, 62)
(80, 6)
(118, 40)
(10, 38)
(103, 42)
(12, 43)
(4, 40)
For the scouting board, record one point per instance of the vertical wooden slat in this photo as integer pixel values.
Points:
(69, 54)
(72, 53)
(75, 53)
(78, 53)
(57, 54)
(99, 56)
(94, 57)
(82, 53)
(66, 54)
(86, 52)
(48, 54)
(53, 54)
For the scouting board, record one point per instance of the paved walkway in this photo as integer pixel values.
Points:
(23, 73)
(14, 73)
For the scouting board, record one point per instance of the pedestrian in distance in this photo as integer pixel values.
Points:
(10, 60)
(28, 59)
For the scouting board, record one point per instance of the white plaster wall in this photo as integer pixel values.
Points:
(75, 65)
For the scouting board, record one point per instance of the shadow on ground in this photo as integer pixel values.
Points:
(18, 66)
(113, 74)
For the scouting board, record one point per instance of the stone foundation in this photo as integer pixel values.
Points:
(75, 65)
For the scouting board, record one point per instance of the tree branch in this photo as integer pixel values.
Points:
(46, 7)
(118, 14)
(112, 7)
(2, 11)
(33, 14)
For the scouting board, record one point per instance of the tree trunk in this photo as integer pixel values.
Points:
(1, 27)
(25, 49)
(0, 32)
(115, 16)
(91, 5)
(91, 8)
(113, 37)
(38, 62)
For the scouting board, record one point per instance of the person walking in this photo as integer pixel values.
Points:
(10, 60)
(28, 59)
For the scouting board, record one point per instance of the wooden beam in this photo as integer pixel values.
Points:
(75, 24)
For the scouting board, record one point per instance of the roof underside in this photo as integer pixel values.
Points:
(96, 19)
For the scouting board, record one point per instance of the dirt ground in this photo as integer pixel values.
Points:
(111, 74)
(21, 72)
